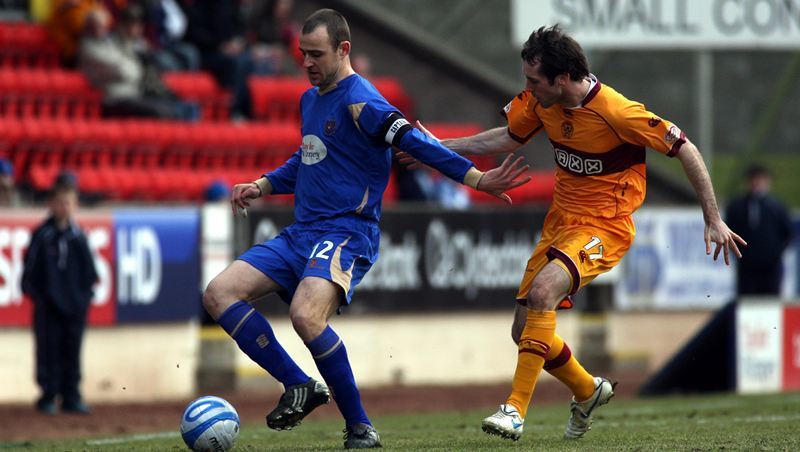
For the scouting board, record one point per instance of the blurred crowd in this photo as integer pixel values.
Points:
(123, 46)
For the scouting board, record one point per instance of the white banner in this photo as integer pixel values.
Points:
(664, 24)
(667, 267)
(759, 347)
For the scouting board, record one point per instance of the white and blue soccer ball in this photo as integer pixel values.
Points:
(210, 424)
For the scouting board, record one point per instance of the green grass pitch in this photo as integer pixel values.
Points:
(719, 422)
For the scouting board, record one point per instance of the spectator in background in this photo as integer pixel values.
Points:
(274, 38)
(763, 221)
(165, 26)
(8, 191)
(363, 65)
(217, 191)
(59, 276)
(66, 24)
(111, 62)
(216, 28)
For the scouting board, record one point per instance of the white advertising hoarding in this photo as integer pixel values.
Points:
(759, 347)
(667, 266)
(665, 24)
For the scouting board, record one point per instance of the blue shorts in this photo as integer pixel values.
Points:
(340, 250)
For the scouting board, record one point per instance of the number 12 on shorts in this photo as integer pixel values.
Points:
(322, 253)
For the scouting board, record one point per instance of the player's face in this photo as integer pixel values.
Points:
(321, 60)
(546, 93)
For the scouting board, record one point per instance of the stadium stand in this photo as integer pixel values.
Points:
(50, 120)
(47, 93)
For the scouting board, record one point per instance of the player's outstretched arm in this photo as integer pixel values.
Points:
(716, 231)
(505, 177)
(493, 141)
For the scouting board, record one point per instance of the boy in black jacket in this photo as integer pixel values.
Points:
(59, 275)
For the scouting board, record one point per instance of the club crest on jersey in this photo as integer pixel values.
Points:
(567, 129)
(330, 126)
(672, 135)
(654, 121)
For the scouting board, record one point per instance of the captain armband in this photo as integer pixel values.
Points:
(394, 128)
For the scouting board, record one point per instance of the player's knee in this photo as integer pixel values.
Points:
(214, 299)
(516, 334)
(306, 323)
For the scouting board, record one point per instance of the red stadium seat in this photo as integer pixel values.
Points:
(42, 93)
(26, 45)
(200, 87)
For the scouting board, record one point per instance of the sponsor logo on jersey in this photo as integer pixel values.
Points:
(567, 129)
(654, 121)
(577, 164)
(313, 150)
(672, 135)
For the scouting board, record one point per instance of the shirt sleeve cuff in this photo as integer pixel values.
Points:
(473, 177)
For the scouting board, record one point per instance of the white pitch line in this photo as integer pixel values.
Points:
(125, 439)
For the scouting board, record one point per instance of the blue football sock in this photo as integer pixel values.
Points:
(252, 333)
(331, 358)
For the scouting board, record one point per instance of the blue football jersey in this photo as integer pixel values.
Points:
(342, 166)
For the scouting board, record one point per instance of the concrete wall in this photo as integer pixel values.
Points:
(131, 363)
(158, 362)
(473, 348)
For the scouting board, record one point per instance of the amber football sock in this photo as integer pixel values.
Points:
(537, 337)
(561, 363)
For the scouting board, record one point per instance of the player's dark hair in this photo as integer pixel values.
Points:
(557, 53)
(334, 22)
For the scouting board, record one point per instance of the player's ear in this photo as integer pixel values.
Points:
(344, 49)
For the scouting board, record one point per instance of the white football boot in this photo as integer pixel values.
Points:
(506, 423)
(580, 419)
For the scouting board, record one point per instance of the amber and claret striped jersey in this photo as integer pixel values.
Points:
(599, 148)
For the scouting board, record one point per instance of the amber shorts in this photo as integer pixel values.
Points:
(583, 246)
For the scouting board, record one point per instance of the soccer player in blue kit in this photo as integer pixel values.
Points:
(338, 177)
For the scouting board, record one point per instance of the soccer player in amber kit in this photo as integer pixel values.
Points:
(599, 139)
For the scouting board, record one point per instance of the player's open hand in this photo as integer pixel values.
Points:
(241, 195)
(505, 177)
(720, 234)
